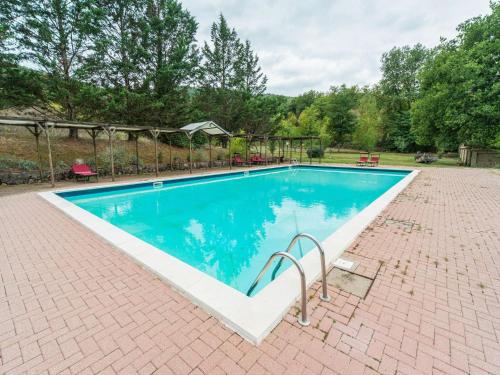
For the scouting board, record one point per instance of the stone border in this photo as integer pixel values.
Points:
(251, 317)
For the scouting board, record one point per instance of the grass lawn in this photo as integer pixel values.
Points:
(386, 158)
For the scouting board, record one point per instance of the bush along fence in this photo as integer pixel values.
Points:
(12, 176)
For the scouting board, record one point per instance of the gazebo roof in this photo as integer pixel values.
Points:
(208, 127)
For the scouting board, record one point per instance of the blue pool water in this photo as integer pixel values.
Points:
(227, 226)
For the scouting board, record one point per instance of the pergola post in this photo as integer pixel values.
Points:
(110, 130)
(36, 132)
(46, 128)
(283, 144)
(279, 150)
(155, 133)
(170, 153)
(246, 149)
(291, 150)
(190, 152)
(137, 152)
(229, 152)
(94, 135)
(300, 157)
(209, 151)
(265, 149)
(310, 149)
(320, 150)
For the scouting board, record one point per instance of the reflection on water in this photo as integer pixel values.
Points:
(229, 228)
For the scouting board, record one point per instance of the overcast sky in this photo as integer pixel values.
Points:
(313, 44)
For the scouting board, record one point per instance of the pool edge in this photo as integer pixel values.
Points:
(252, 318)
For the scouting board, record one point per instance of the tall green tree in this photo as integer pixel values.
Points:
(117, 63)
(248, 74)
(338, 105)
(219, 79)
(368, 130)
(19, 86)
(172, 60)
(460, 88)
(55, 35)
(301, 102)
(399, 87)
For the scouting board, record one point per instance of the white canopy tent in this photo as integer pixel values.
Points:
(211, 129)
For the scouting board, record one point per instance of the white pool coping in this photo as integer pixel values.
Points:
(251, 317)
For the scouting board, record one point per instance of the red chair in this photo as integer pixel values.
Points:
(374, 160)
(256, 159)
(82, 170)
(237, 160)
(363, 159)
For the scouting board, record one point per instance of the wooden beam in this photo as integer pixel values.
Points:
(94, 136)
(110, 131)
(155, 133)
(46, 128)
(209, 151)
(265, 149)
(310, 150)
(190, 156)
(229, 152)
(137, 153)
(170, 153)
(36, 132)
(300, 157)
(320, 150)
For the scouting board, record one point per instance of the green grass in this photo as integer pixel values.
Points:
(386, 158)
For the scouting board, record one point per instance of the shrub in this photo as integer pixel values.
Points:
(199, 155)
(315, 152)
(12, 162)
(220, 155)
(120, 156)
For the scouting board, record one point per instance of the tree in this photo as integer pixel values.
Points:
(219, 76)
(368, 130)
(19, 86)
(460, 90)
(248, 75)
(117, 63)
(55, 36)
(301, 102)
(232, 83)
(399, 87)
(338, 105)
(172, 60)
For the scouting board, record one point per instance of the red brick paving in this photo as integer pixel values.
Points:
(72, 304)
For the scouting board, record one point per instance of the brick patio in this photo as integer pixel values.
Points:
(72, 304)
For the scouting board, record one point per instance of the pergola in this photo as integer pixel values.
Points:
(282, 142)
(211, 129)
(39, 126)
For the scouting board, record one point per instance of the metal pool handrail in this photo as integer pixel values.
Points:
(324, 294)
(303, 319)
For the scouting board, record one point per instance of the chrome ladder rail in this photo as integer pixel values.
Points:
(324, 293)
(303, 313)
(286, 254)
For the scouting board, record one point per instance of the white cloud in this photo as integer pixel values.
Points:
(306, 45)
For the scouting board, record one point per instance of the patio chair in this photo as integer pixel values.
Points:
(82, 171)
(256, 159)
(374, 160)
(237, 160)
(363, 159)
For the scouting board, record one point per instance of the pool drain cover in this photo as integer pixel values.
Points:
(349, 282)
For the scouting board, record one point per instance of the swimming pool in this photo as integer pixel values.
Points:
(228, 226)
(225, 227)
